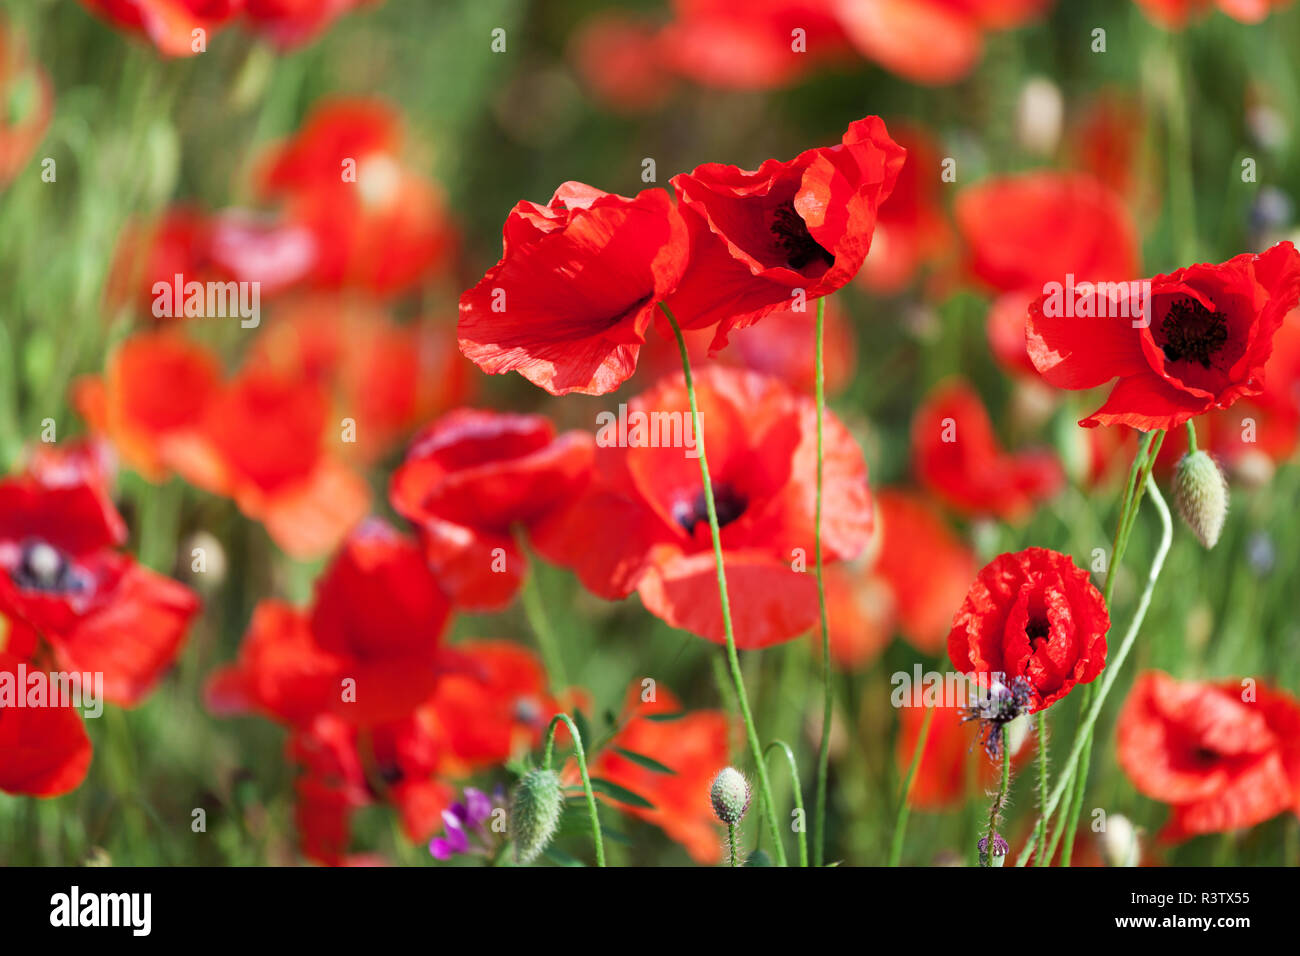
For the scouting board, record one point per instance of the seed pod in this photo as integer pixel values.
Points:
(1201, 496)
(730, 795)
(535, 808)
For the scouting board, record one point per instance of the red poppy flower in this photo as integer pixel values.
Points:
(622, 61)
(1105, 141)
(761, 238)
(929, 41)
(1176, 14)
(1202, 345)
(69, 601)
(576, 289)
(386, 377)
(44, 751)
(910, 229)
(762, 456)
(959, 460)
(917, 576)
(28, 95)
(151, 398)
(470, 478)
(1224, 756)
(695, 746)
(1027, 230)
(265, 442)
(750, 47)
(492, 704)
(377, 225)
(368, 650)
(343, 768)
(1033, 614)
(168, 24)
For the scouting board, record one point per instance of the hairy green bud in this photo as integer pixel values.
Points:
(730, 795)
(1201, 496)
(535, 807)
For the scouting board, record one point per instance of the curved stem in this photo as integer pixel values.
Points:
(798, 794)
(824, 749)
(900, 822)
(1191, 437)
(733, 659)
(582, 769)
(1114, 666)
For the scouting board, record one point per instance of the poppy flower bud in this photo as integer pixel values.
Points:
(1201, 496)
(730, 796)
(1119, 842)
(535, 808)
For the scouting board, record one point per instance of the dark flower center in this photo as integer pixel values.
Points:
(795, 240)
(730, 505)
(1205, 755)
(43, 567)
(1037, 629)
(1192, 332)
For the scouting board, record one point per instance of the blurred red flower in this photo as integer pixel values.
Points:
(911, 229)
(387, 377)
(377, 225)
(929, 41)
(290, 23)
(343, 768)
(1176, 14)
(757, 45)
(265, 441)
(958, 459)
(368, 650)
(762, 457)
(916, 577)
(1026, 230)
(695, 746)
(1036, 615)
(150, 399)
(70, 601)
(621, 60)
(169, 25)
(576, 289)
(1224, 756)
(28, 95)
(783, 234)
(1202, 346)
(469, 479)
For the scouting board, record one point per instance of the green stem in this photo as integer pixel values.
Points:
(1114, 666)
(1191, 437)
(995, 808)
(1143, 464)
(798, 794)
(900, 822)
(1042, 783)
(733, 659)
(582, 769)
(535, 612)
(824, 748)
(731, 842)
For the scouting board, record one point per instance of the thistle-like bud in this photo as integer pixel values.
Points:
(535, 807)
(730, 795)
(1201, 496)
